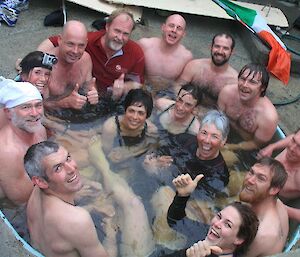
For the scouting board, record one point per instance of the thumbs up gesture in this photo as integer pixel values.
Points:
(118, 87)
(185, 185)
(92, 94)
(75, 100)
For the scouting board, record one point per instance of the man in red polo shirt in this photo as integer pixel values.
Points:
(116, 59)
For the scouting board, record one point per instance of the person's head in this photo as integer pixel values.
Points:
(72, 42)
(253, 81)
(234, 228)
(36, 68)
(189, 96)
(293, 148)
(264, 179)
(212, 134)
(138, 105)
(50, 166)
(221, 48)
(22, 104)
(173, 30)
(119, 26)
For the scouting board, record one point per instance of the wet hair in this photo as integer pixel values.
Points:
(248, 228)
(118, 12)
(139, 95)
(33, 160)
(219, 119)
(192, 90)
(260, 69)
(226, 35)
(279, 175)
(34, 59)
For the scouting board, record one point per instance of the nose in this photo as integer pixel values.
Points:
(218, 223)
(135, 115)
(251, 179)
(70, 167)
(75, 49)
(207, 138)
(34, 111)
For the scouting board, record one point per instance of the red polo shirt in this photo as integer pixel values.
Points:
(129, 60)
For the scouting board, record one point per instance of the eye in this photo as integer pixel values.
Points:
(58, 168)
(69, 158)
(219, 215)
(228, 225)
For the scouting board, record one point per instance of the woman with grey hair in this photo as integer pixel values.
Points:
(208, 159)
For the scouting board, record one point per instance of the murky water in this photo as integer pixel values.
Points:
(153, 190)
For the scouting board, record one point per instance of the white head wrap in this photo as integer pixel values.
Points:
(14, 93)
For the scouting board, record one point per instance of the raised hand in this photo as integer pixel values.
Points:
(118, 87)
(202, 248)
(185, 185)
(92, 94)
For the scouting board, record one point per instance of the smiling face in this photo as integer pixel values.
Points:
(72, 42)
(135, 116)
(293, 149)
(221, 50)
(184, 106)
(118, 32)
(249, 85)
(257, 184)
(224, 229)
(173, 30)
(38, 77)
(28, 116)
(210, 142)
(63, 177)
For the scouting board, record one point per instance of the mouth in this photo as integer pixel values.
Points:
(213, 235)
(72, 178)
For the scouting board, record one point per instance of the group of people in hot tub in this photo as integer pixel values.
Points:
(79, 69)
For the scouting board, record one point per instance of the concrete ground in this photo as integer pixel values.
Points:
(17, 41)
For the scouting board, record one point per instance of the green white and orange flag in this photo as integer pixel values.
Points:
(279, 63)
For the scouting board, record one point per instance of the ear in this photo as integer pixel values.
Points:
(223, 142)
(40, 182)
(59, 38)
(274, 191)
(238, 241)
(7, 112)
(106, 26)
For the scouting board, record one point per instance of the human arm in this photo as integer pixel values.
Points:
(269, 149)
(184, 187)
(293, 213)
(187, 74)
(46, 45)
(68, 100)
(202, 249)
(82, 235)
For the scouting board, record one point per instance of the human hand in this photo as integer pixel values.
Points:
(232, 147)
(118, 87)
(92, 94)
(74, 100)
(185, 185)
(265, 152)
(202, 248)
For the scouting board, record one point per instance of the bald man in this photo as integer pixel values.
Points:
(71, 84)
(166, 57)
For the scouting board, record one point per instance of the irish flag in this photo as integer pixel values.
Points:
(279, 63)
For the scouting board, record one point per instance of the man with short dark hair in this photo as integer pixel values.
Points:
(57, 227)
(260, 188)
(23, 110)
(212, 74)
(251, 113)
(116, 59)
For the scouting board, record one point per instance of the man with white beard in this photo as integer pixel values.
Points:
(24, 110)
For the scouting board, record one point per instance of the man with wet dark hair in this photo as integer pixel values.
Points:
(116, 59)
(260, 188)
(57, 227)
(212, 74)
(251, 113)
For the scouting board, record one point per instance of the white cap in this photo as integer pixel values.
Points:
(14, 93)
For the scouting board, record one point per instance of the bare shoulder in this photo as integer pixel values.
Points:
(109, 125)
(229, 90)
(268, 110)
(162, 103)
(151, 128)
(146, 43)
(198, 62)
